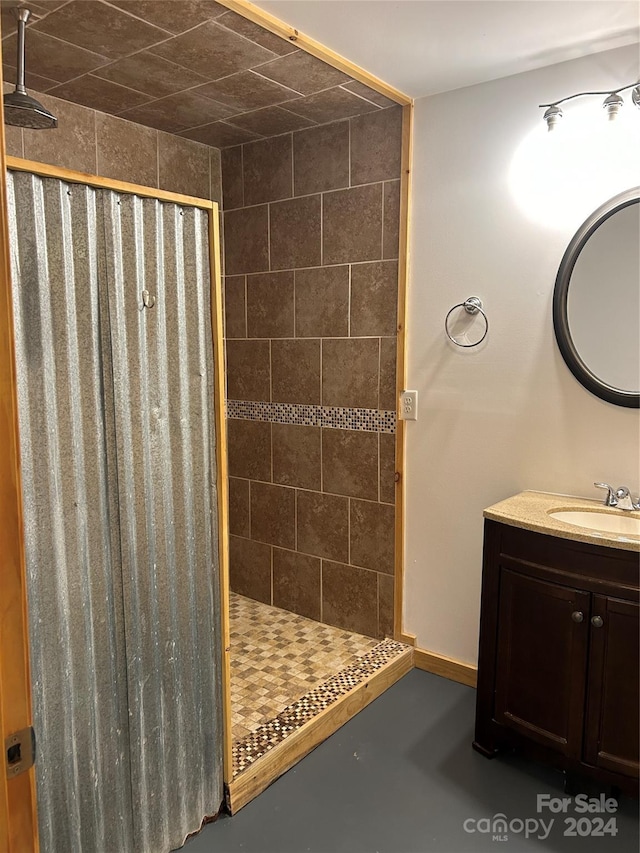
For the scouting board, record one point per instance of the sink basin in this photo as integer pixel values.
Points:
(605, 522)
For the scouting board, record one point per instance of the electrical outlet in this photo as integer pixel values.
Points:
(409, 405)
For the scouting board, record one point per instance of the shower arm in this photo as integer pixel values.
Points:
(22, 16)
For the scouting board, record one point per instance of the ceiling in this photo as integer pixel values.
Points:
(189, 67)
(427, 46)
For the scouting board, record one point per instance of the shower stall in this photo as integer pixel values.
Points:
(120, 424)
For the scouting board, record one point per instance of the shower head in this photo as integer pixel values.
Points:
(20, 109)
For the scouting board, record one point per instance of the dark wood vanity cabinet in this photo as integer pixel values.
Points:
(559, 663)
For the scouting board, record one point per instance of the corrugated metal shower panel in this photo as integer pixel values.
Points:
(74, 586)
(117, 435)
(164, 425)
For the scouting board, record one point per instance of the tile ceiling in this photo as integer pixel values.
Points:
(189, 67)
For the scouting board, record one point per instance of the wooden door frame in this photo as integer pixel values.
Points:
(14, 828)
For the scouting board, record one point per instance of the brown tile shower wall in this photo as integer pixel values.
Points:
(311, 224)
(100, 144)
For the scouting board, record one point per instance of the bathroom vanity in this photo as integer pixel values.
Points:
(559, 662)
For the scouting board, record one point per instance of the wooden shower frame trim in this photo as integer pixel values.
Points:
(401, 372)
(275, 25)
(315, 48)
(18, 815)
(14, 648)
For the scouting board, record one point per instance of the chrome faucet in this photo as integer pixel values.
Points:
(620, 497)
(611, 498)
(625, 501)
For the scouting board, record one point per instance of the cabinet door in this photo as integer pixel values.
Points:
(611, 736)
(541, 660)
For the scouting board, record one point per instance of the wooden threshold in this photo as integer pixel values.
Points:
(266, 769)
(454, 670)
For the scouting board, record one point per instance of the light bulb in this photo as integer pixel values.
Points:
(612, 105)
(552, 116)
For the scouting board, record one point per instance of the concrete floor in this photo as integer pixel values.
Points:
(401, 777)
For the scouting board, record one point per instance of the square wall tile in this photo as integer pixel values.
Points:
(33, 81)
(270, 305)
(303, 73)
(387, 468)
(369, 94)
(183, 166)
(376, 146)
(372, 531)
(296, 583)
(350, 372)
(100, 28)
(386, 594)
(250, 568)
(219, 134)
(55, 60)
(176, 16)
(352, 225)
(322, 302)
(178, 112)
(215, 171)
(273, 514)
(99, 94)
(248, 370)
(295, 235)
(249, 444)
(247, 91)
(270, 121)
(13, 141)
(256, 33)
(296, 456)
(331, 105)
(374, 298)
(350, 463)
(235, 323)
(126, 151)
(295, 371)
(391, 225)
(267, 166)
(246, 240)
(193, 50)
(321, 158)
(150, 74)
(72, 145)
(350, 598)
(239, 507)
(323, 525)
(232, 185)
(388, 355)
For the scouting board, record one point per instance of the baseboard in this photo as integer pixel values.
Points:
(282, 757)
(407, 639)
(449, 668)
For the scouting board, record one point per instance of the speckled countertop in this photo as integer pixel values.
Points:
(530, 510)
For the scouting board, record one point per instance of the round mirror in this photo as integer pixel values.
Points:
(596, 302)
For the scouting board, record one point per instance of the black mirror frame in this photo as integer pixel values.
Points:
(560, 295)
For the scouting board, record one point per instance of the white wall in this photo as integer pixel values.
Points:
(507, 415)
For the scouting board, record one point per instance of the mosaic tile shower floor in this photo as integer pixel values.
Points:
(286, 669)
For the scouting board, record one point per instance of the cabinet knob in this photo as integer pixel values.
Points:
(596, 621)
(577, 615)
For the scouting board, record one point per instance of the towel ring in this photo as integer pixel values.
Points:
(471, 305)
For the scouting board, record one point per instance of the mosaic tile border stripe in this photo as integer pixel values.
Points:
(331, 417)
(244, 752)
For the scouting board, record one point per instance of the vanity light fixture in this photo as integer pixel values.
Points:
(612, 103)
